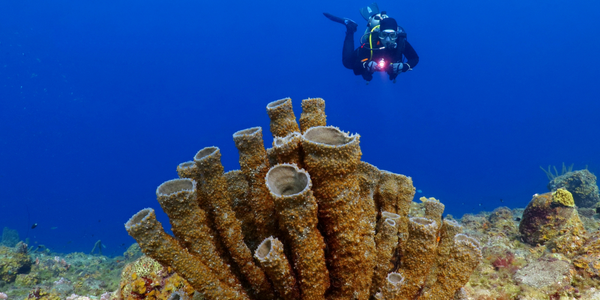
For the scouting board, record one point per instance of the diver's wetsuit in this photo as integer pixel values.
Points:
(353, 59)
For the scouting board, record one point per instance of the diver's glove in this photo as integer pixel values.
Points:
(398, 68)
(370, 66)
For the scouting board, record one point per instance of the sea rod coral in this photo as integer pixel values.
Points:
(305, 219)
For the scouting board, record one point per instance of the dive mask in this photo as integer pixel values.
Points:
(388, 33)
(388, 38)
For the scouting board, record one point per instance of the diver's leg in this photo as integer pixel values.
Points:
(348, 50)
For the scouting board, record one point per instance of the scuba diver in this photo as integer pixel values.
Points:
(383, 46)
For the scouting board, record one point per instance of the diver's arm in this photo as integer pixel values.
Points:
(412, 59)
(365, 68)
(359, 63)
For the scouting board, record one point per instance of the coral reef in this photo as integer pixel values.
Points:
(564, 265)
(53, 275)
(321, 223)
(145, 278)
(581, 183)
(13, 262)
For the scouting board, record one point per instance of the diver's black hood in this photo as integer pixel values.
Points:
(388, 23)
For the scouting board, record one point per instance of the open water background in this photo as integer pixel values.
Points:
(100, 100)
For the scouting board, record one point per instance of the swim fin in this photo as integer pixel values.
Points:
(350, 25)
(335, 19)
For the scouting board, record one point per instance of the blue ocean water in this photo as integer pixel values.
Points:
(101, 100)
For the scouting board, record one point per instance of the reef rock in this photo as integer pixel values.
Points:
(548, 274)
(582, 184)
(549, 216)
(147, 279)
(13, 261)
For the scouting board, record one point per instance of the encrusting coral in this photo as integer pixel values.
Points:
(321, 223)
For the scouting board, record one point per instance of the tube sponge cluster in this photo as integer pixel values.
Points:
(304, 219)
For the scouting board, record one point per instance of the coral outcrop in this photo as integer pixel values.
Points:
(13, 261)
(145, 278)
(305, 219)
(550, 217)
(581, 183)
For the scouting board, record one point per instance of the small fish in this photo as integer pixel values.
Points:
(501, 200)
(598, 210)
(99, 220)
(419, 191)
(53, 228)
(34, 225)
(517, 219)
(123, 245)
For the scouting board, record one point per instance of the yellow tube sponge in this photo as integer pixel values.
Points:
(394, 194)
(154, 242)
(434, 209)
(191, 226)
(271, 257)
(331, 157)
(189, 170)
(449, 229)
(297, 210)
(214, 187)
(419, 255)
(563, 197)
(368, 178)
(392, 287)
(304, 220)
(288, 149)
(457, 268)
(283, 120)
(239, 191)
(386, 241)
(186, 169)
(255, 165)
(313, 113)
